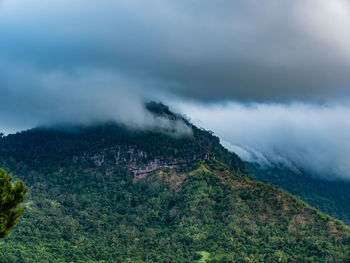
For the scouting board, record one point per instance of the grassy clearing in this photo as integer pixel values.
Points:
(205, 256)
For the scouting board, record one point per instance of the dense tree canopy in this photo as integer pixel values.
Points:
(11, 197)
(330, 197)
(87, 205)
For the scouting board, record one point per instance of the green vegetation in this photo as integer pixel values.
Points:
(11, 196)
(204, 256)
(85, 205)
(94, 216)
(331, 197)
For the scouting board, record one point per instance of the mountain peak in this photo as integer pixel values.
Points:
(106, 193)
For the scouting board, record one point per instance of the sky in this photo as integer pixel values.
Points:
(271, 78)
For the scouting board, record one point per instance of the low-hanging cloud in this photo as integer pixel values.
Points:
(79, 97)
(302, 136)
(89, 61)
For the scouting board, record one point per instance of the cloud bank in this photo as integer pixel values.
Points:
(85, 61)
(313, 138)
(244, 50)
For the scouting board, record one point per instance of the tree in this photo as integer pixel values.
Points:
(11, 196)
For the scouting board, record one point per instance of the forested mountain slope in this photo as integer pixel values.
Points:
(109, 194)
(331, 197)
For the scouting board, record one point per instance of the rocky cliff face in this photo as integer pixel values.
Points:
(109, 194)
(136, 160)
(114, 145)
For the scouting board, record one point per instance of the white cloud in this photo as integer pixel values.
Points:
(83, 61)
(246, 49)
(307, 136)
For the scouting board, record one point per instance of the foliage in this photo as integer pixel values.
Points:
(11, 196)
(50, 148)
(204, 256)
(331, 197)
(78, 210)
(93, 216)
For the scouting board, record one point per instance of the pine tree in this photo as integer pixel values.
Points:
(11, 196)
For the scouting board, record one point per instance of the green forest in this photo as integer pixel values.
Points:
(205, 209)
(12, 195)
(330, 196)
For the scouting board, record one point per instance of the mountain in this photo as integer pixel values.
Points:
(329, 196)
(107, 193)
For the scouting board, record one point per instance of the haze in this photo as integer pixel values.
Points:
(277, 72)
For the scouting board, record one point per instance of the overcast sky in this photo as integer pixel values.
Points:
(300, 136)
(86, 60)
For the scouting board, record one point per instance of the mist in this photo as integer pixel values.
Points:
(309, 137)
(270, 78)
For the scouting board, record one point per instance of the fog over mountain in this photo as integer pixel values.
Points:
(268, 67)
(310, 137)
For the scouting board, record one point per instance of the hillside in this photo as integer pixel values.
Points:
(109, 194)
(331, 197)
